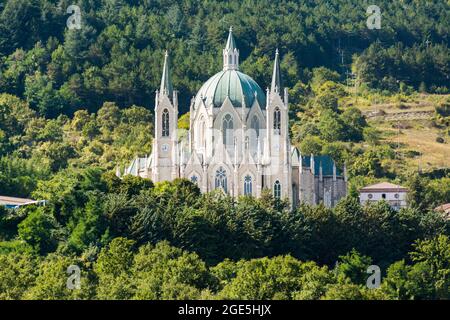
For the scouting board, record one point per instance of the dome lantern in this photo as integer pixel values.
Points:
(230, 83)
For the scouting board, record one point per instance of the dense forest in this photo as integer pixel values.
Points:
(117, 54)
(75, 104)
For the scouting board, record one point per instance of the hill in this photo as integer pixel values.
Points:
(409, 123)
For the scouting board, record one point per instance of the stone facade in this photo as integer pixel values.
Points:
(238, 140)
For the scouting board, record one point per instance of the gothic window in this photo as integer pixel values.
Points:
(255, 125)
(227, 130)
(277, 189)
(246, 143)
(221, 179)
(165, 123)
(248, 185)
(194, 179)
(277, 121)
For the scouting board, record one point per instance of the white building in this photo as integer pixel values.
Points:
(394, 194)
(238, 140)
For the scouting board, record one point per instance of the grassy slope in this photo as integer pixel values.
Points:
(414, 115)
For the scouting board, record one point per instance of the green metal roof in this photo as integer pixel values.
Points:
(234, 84)
(324, 161)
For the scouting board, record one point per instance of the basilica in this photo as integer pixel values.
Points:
(238, 140)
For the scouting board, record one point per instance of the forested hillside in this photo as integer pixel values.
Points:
(117, 54)
(75, 104)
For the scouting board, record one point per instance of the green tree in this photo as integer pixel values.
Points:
(259, 279)
(113, 270)
(354, 266)
(432, 258)
(165, 272)
(18, 274)
(38, 230)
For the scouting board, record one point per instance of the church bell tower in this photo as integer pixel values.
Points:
(165, 143)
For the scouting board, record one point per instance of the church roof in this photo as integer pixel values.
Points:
(234, 84)
(326, 162)
(138, 165)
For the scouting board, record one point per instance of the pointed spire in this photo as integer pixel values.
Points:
(231, 44)
(276, 79)
(230, 53)
(166, 81)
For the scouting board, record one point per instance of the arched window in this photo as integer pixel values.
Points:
(227, 130)
(247, 142)
(277, 189)
(255, 125)
(248, 185)
(277, 121)
(221, 179)
(165, 123)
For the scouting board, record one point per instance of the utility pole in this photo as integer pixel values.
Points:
(353, 80)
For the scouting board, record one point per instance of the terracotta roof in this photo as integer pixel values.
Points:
(383, 186)
(13, 201)
(444, 208)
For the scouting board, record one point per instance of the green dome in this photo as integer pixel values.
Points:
(234, 84)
